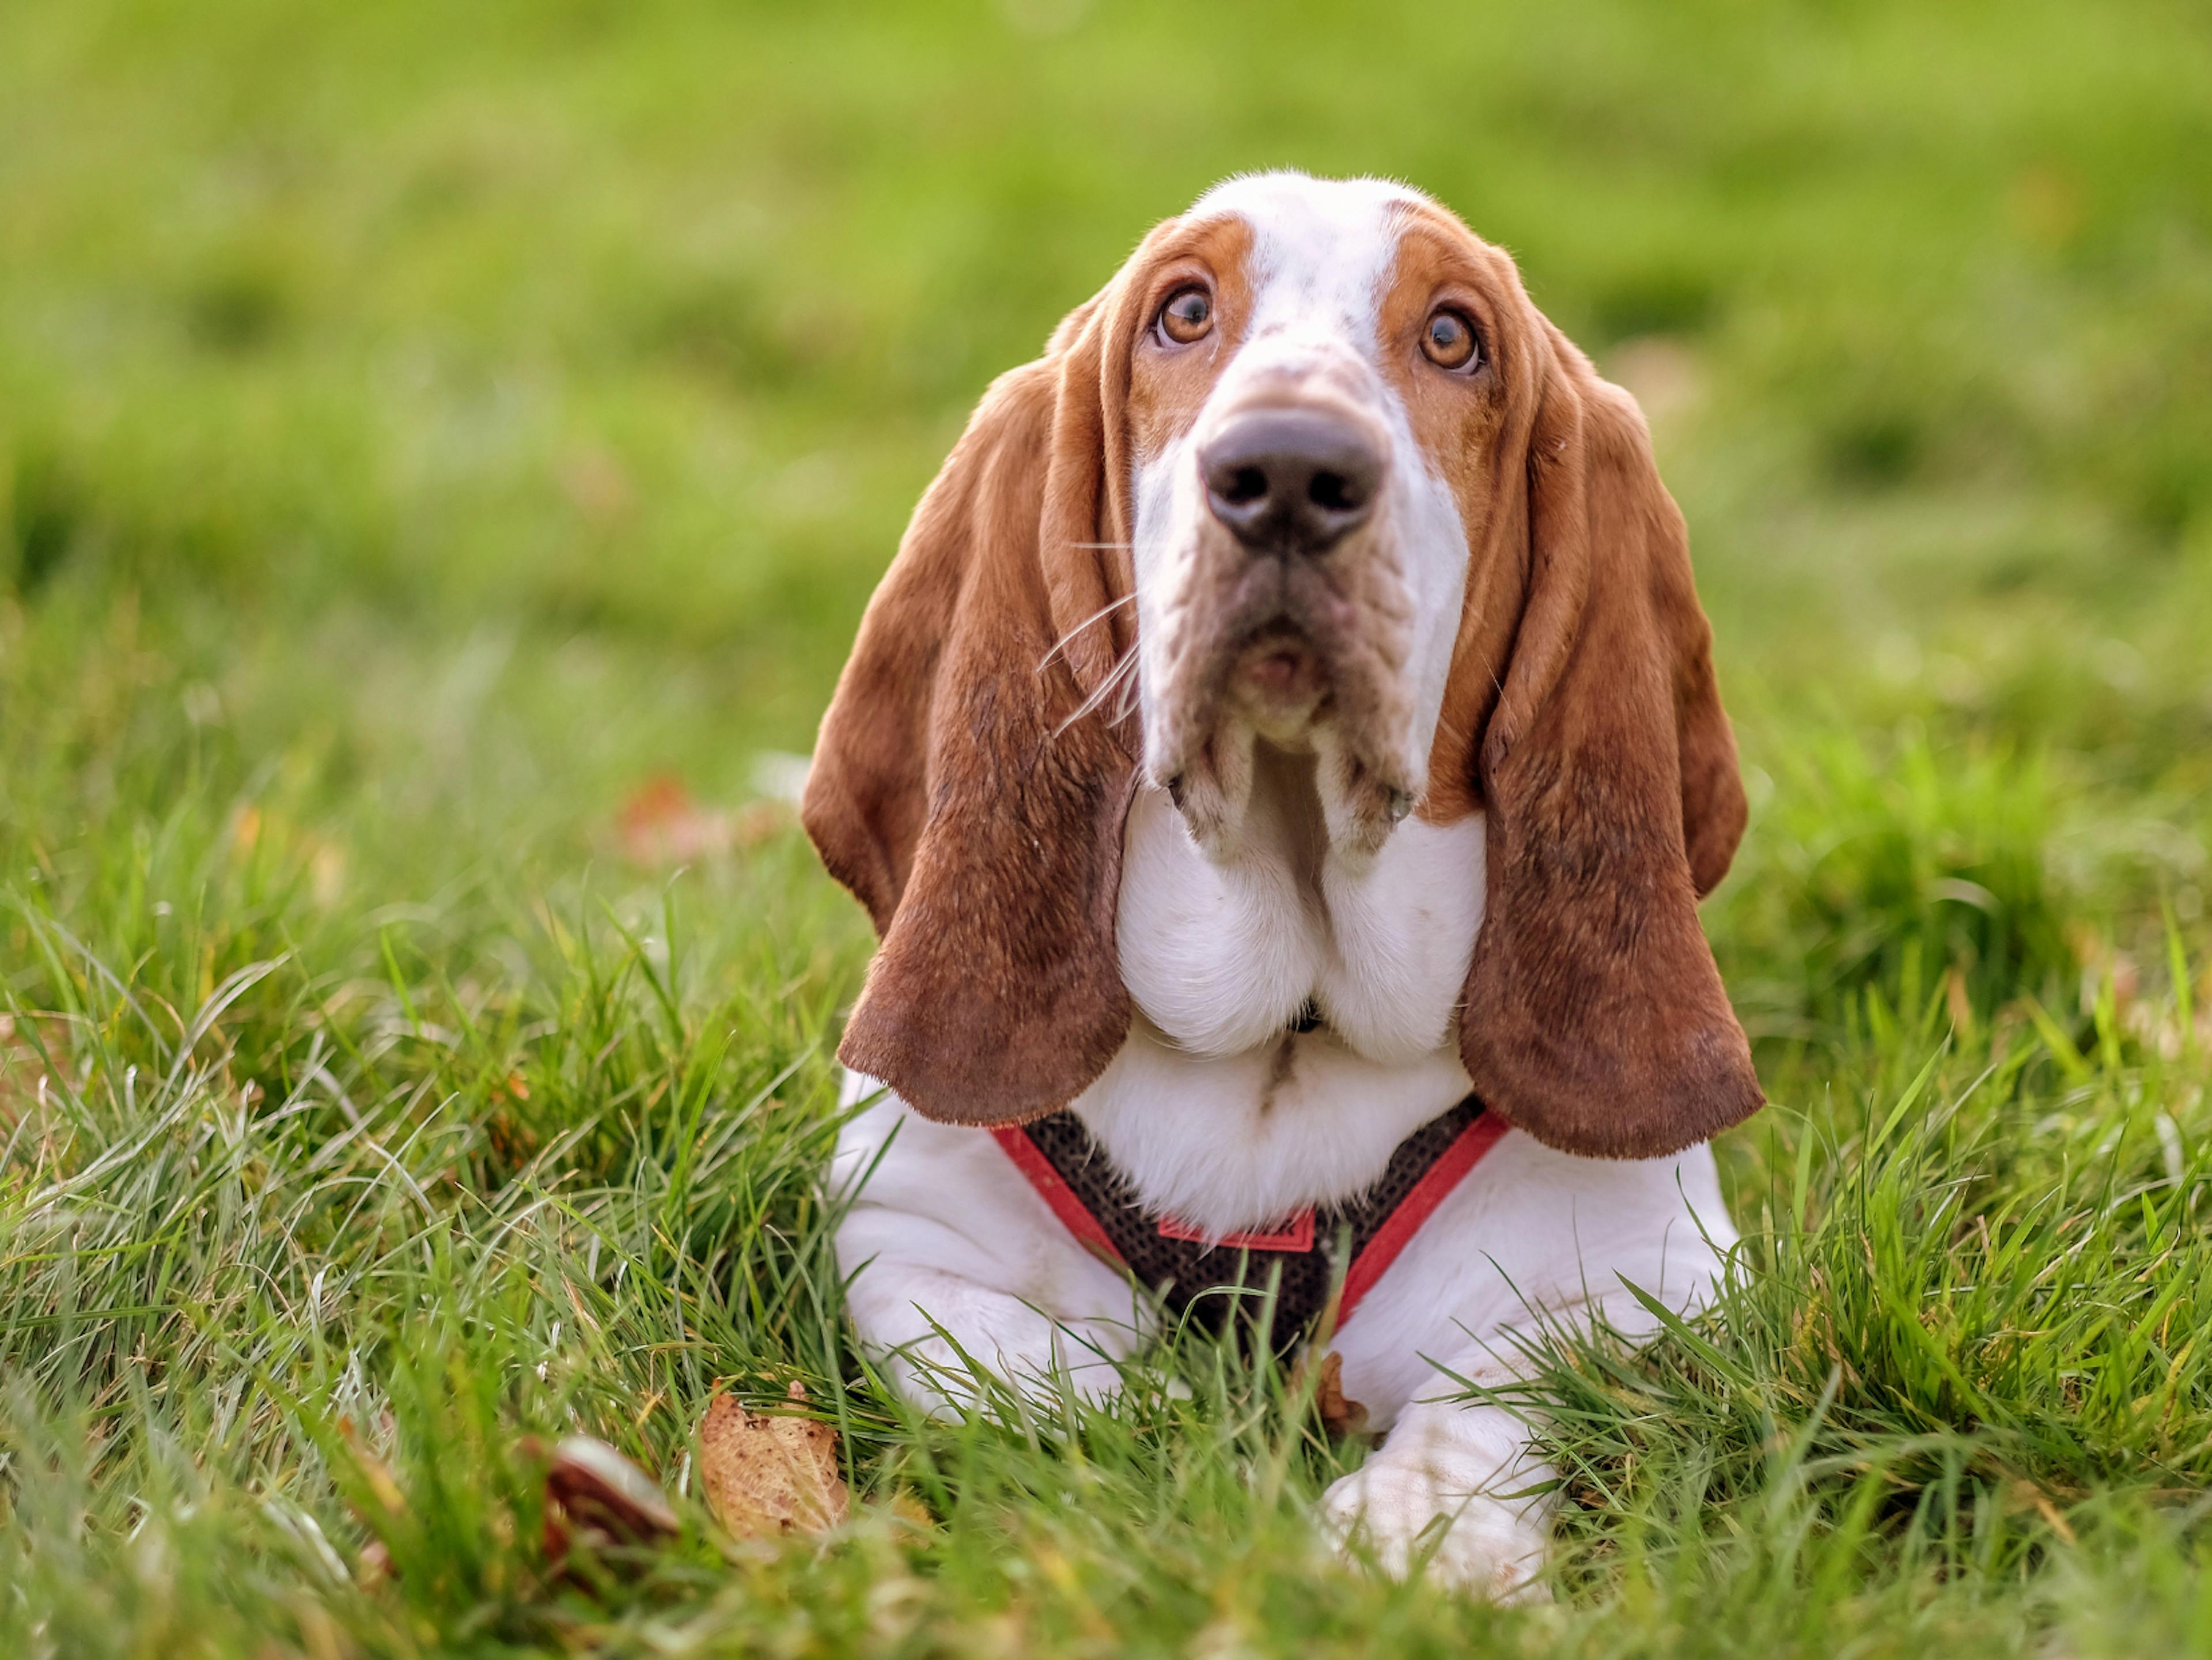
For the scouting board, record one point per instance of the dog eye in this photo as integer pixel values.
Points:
(1449, 341)
(1188, 316)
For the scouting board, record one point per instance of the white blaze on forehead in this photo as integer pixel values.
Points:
(1322, 251)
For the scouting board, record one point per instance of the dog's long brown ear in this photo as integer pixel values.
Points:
(961, 788)
(1594, 1017)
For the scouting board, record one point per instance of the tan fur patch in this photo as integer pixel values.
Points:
(1167, 387)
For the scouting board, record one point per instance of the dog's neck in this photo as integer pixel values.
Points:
(1280, 819)
(1220, 1109)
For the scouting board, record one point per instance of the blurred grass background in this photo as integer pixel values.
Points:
(442, 449)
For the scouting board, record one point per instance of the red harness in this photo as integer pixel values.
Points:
(1297, 1258)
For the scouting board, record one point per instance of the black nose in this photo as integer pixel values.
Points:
(1291, 481)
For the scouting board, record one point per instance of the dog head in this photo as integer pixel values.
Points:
(1313, 470)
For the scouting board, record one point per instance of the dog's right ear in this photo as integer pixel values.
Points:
(1594, 1018)
(969, 786)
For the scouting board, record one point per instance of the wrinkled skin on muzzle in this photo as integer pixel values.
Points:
(1329, 639)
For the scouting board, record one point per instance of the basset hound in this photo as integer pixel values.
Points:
(1282, 764)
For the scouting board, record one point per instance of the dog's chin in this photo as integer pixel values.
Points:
(1276, 685)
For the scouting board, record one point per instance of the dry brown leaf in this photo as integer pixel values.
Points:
(595, 1495)
(661, 824)
(597, 484)
(906, 1507)
(1340, 1412)
(375, 1566)
(23, 1079)
(769, 1474)
(2024, 1494)
(373, 1470)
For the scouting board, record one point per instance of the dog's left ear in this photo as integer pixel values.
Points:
(970, 785)
(1594, 1017)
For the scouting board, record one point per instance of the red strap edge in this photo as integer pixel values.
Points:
(1297, 1233)
(1466, 1151)
(1074, 1215)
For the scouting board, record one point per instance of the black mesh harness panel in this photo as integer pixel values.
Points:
(1206, 1279)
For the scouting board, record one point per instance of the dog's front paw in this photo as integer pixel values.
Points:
(1392, 1512)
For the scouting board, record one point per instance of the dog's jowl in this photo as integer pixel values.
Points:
(1283, 763)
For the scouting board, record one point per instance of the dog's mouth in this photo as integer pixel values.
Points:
(1298, 667)
(1277, 680)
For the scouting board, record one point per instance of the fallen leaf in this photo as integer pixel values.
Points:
(374, 1472)
(1959, 1001)
(758, 822)
(596, 484)
(661, 824)
(904, 1507)
(767, 1474)
(2024, 1494)
(375, 1566)
(1340, 1412)
(596, 1497)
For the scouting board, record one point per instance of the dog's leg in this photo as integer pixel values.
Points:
(930, 1326)
(950, 1254)
(1456, 1483)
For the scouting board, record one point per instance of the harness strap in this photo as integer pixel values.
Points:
(1060, 1159)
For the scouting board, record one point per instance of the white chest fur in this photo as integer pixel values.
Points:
(1220, 1114)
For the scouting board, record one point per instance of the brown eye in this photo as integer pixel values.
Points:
(1188, 316)
(1449, 341)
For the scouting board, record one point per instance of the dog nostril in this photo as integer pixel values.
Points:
(1332, 493)
(1290, 480)
(1245, 484)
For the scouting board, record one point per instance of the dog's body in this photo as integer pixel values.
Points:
(1392, 549)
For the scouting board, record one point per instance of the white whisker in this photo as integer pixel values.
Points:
(1121, 677)
(1128, 701)
(1061, 644)
(1102, 544)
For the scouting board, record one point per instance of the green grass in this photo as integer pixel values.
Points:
(421, 428)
